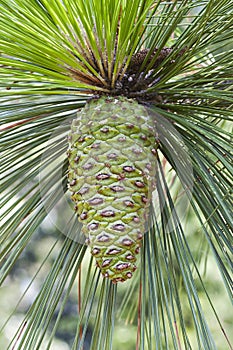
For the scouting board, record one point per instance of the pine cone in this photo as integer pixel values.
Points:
(112, 166)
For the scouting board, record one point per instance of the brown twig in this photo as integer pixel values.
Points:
(79, 300)
(12, 125)
(139, 317)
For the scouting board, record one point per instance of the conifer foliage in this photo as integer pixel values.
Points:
(118, 114)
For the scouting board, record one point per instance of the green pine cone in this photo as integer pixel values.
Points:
(112, 164)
